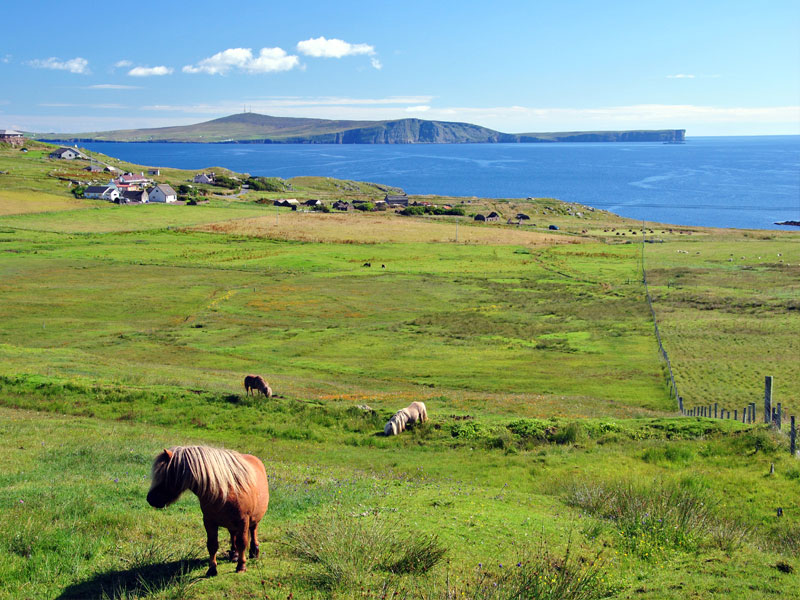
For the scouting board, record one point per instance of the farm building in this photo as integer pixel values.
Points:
(313, 203)
(94, 169)
(131, 196)
(154, 171)
(162, 193)
(492, 217)
(66, 154)
(342, 205)
(287, 202)
(203, 178)
(10, 136)
(102, 192)
(396, 200)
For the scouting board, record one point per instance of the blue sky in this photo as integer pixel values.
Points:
(713, 68)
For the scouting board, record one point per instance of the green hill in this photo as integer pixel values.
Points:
(265, 129)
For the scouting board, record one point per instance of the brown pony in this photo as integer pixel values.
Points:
(232, 489)
(257, 383)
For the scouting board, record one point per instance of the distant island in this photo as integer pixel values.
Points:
(253, 128)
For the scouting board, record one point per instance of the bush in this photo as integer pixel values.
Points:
(268, 184)
(365, 206)
(78, 191)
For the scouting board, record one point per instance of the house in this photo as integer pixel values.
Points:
(134, 197)
(129, 181)
(162, 193)
(288, 202)
(203, 178)
(492, 217)
(154, 171)
(480, 218)
(66, 154)
(102, 192)
(396, 200)
(10, 136)
(94, 169)
(342, 205)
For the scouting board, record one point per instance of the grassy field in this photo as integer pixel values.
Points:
(553, 449)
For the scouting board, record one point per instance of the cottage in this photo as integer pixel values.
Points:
(396, 200)
(203, 178)
(492, 217)
(102, 192)
(10, 136)
(66, 154)
(162, 193)
(134, 197)
(129, 181)
(342, 205)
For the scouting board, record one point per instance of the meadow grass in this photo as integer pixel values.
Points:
(553, 443)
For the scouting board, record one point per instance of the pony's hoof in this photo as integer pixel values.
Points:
(212, 572)
(233, 556)
(255, 552)
(241, 569)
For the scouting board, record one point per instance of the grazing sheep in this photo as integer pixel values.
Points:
(256, 383)
(416, 412)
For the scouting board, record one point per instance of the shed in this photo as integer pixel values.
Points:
(493, 216)
(396, 200)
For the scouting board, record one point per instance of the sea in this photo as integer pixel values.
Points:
(741, 182)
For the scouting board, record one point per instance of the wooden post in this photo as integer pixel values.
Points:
(792, 437)
(715, 410)
(767, 398)
(735, 414)
(779, 417)
(680, 404)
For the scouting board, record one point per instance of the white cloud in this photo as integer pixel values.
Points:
(70, 105)
(418, 109)
(324, 48)
(121, 64)
(112, 86)
(76, 65)
(376, 63)
(289, 103)
(6, 59)
(681, 76)
(269, 60)
(150, 71)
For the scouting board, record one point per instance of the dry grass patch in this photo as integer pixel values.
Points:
(22, 202)
(350, 228)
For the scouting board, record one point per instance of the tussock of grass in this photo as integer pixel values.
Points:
(347, 549)
(650, 520)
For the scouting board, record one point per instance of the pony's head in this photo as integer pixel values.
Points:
(165, 488)
(391, 427)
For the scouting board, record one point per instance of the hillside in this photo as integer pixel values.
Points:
(265, 129)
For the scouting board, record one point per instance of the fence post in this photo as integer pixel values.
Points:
(715, 410)
(735, 414)
(779, 417)
(767, 398)
(680, 404)
(793, 438)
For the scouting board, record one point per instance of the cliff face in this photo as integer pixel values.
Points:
(251, 128)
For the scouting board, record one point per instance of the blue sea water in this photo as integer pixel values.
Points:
(744, 182)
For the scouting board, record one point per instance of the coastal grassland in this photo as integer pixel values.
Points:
(729, 310)
(78, 525)
(377, 227)
(13, 202)
(504, 329)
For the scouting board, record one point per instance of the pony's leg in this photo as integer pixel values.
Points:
(233, 555)
(254, 549)
(212, 543)
(240, 539)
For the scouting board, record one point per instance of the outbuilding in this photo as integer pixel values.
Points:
(162, 193)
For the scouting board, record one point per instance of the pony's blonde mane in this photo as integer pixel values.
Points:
(211, 473)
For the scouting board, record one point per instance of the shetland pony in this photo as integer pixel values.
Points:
(257, 383)
(413, 413)
(232, 489)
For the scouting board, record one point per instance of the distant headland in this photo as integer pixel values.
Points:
(253, 128)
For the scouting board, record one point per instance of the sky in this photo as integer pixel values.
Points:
(711, 67)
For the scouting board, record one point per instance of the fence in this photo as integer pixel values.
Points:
(773, 413)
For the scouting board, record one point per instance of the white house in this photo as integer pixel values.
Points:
(102, 192)
(66, 154)
(162, 193)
